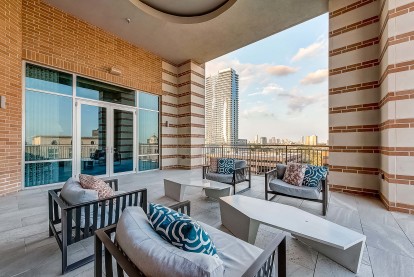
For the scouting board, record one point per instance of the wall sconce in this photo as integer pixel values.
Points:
(2, 102)
(115, 71)
(166, 124)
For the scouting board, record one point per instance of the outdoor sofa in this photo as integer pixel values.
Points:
(274, 185)
(136, 247)
(76, 216)
(241, 173)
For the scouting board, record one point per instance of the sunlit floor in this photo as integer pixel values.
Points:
(26, 249)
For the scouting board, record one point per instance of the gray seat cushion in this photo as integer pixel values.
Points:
(237, 255)
(279, 186)
(156, 257)
(222, 178)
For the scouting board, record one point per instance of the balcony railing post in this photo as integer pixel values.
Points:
(286, 149)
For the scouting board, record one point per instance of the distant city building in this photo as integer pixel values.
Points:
(263, 140)
(222, 107)
(272, 140)
(242, 142)
(310, 140)
(256, 139)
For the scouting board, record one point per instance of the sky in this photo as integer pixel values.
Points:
(283, 83)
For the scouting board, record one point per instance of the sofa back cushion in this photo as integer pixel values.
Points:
(281, 169)
(294, 174)
(225, 166)
(73, 193)
(156, 257)
(240, 163)
(314, 174)
(180, 230)
(213, 164)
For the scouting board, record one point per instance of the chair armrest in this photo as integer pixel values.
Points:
(113, 183)
(182, 207)
(263, 265)
(205, 170)
(269, 176)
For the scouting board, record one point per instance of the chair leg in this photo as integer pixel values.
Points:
(266, 195)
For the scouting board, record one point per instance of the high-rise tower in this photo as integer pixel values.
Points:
(222, 107)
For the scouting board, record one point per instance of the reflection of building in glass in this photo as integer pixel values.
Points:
(222, 108)
(149, 148)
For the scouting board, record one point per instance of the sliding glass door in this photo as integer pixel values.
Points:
(106, 139)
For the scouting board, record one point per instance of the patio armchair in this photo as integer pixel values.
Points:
(274, 185)
(241, 173)
(238, 256)
(80, 221)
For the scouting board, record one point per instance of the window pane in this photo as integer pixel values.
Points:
(37, 174)
(123, 154)
(148, 101)
(148, 162)
(47, 79)
(48, 127)
(148, 132)
(93, 140)
(104, 92)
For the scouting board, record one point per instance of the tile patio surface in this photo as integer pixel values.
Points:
(26, 249)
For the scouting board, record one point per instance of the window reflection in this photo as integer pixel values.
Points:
(148, 132)
(148, 101)
(48, 80)
(104, 92)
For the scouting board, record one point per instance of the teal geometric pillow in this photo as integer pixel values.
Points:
(225, 166)
(313, 175)
(180, 230)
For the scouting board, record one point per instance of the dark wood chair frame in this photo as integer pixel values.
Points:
(109, 250)
(241, 172)
(61, 214)
(324, 189)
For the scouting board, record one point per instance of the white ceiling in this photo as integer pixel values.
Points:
(243, 23)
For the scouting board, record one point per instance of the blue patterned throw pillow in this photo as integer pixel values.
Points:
(180, 230)
(225, 166)
(313, 175)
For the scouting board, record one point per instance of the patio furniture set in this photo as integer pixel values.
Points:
(156, 243)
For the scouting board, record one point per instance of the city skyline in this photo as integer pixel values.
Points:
(283, 83)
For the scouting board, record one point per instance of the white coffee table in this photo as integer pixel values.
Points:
(242, 216)
(175, 188)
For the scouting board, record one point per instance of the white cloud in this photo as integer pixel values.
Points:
(269, 89)
(248, 73)
(281, 70)
(297, 102)
(257, 111)
(317, 77)
(310, 51)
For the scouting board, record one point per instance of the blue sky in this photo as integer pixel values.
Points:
(283, 82)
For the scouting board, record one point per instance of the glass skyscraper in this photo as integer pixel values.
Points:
(222, 107)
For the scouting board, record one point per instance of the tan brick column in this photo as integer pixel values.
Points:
(397, 104)
(10, 87)
(183, 109)
(354, 114)
(191, 114)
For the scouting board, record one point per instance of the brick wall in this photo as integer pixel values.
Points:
(10, 86)
(371, 99)
(54, 38)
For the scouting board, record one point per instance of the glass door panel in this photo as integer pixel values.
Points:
(123, 141)
(93, 140)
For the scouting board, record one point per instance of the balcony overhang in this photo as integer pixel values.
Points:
(192, 30)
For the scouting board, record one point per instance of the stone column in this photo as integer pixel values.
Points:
(354, 94)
